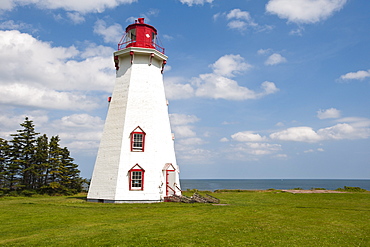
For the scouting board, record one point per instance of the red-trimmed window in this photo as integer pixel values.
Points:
(136, 174)
(137, 140)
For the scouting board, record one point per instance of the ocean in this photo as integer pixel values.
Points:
(263, 184)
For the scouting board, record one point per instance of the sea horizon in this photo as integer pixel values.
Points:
(263, 184)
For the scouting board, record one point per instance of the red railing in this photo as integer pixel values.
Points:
(132, 43)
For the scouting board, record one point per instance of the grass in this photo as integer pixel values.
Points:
(269, 218)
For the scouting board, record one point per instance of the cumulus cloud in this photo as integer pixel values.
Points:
(181, 125)
(343, 131)
(79, 6)
(80, 121)
(34, 73)
(182, 119)
(339, 131)
(176, 88)
(240, 20)
(111, 34)
(219, 87)
(230, 65)
(314, 150)
(247, 136)
(264, 51)
(218, 84)
(75, 17)
(304, 11)
(359, 75)
(328, 113)
(275, 59)
(253, 148)
(195, 2)
(15, 25)
(41, 97)
(300, 134)
(224, 139)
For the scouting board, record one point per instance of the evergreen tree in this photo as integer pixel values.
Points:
(24, 143)
(4, 161)
(54, 160)
(41, 161)
(14, 167)
(30, 164)
(69, 174)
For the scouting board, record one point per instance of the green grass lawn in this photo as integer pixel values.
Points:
(250, 218)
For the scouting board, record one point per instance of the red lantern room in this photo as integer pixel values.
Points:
(141, 35)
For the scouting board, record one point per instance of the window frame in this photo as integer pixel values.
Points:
(137, 131)
(132, 171)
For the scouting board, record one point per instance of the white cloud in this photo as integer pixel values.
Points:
(344, 131)
(230, 65)
(183, 131)
(76, 17)
(34, 73)
(195, 2)
(247, 136)
(240, 20)
(182, 119)
(357, 122)
(191, 141)
(304, 11)
(111, 34)
(175, 89)
(300, 134)
(181, 125)
(339, 131)
(297, 31)
(253, 148)
(264, 51)
(224, 139)
(69, 5)
(328, 113)
(238, 14)
(41, 97)
(218, 86)
(359, 75)
(314, 150)
(275, 59)
(80, 121)
(12, 25)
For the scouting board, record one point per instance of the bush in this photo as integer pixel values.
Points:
(318, 189)
(351, 189)
(28, 193)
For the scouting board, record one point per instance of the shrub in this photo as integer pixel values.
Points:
(351, 189)
(28, 193)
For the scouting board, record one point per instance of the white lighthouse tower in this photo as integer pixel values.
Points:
(136, 160)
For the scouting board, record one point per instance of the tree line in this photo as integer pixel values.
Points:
(31, 163)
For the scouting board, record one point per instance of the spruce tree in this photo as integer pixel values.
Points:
(30, 164)
(69, 174)
(4, 161)
(41, 161)
(24, 143)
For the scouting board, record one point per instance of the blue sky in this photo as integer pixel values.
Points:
(257, 89)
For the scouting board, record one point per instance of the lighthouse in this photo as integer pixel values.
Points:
(136, 159)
